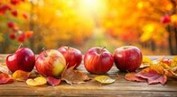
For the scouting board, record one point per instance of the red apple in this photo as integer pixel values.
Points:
(127, 58)
(98, 60)
(50, 63)
(22, 59)
(73, 56)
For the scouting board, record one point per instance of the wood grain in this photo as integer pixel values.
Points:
(121, 88)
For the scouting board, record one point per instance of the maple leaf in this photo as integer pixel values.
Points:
(5, 78)
(152, 76)
(72, 76)
(53, 81)
(132, 77)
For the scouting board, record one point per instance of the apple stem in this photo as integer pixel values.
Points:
(45, 52)
(102, 49)
(68, 47)
(21, 44)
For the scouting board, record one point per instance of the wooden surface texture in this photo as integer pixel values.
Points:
(121, 88)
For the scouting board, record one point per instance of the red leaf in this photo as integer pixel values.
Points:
(53, 81)
(160, 79)
(14, 13)
(132, 77)
(21, 38)
(11, 24)
(72, 76)
(152, 76)
(12, 36)
(15, 2)
(5, 78)
(4, 8)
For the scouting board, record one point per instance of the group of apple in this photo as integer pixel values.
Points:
(96, 60)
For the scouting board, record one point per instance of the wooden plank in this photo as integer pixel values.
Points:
(121, 88)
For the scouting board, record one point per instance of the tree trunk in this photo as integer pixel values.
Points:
(153, 45)
(170, 40)
(175, 38)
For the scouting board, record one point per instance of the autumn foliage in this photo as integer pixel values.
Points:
(52, 23)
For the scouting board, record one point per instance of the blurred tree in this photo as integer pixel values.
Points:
(12, 31)
(72, 22)
(58, 22)
(141, 21)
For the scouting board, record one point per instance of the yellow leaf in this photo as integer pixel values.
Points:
(39, 81)
(147, 32)
(146, 62)
(174, 18)
(104, 79)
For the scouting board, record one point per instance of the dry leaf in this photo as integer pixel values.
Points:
(38, 81)
(5, 78)
(53, 81)
(34, 74)
(132, 77)
(152, 76)
(20, 75)
(104, 79)
(72, 76)
(4, 69)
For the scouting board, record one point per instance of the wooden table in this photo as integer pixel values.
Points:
(120, 88)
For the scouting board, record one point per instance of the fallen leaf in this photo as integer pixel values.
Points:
(158, 67)
(34, 74)
(38, 81)
(4, 69)
(158, 79)
(152, 76)
(104, 79)
(53, 81)
(5, 78)
(20, 75)
(72, 76)
(146, 62)
(132, 77)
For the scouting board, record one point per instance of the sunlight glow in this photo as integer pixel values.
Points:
(92, 6)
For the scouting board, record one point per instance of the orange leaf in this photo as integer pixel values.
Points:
(20, 75)
(53, 81)
(5, 78)
(28, 34)
(72, 76)
(132, 77)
